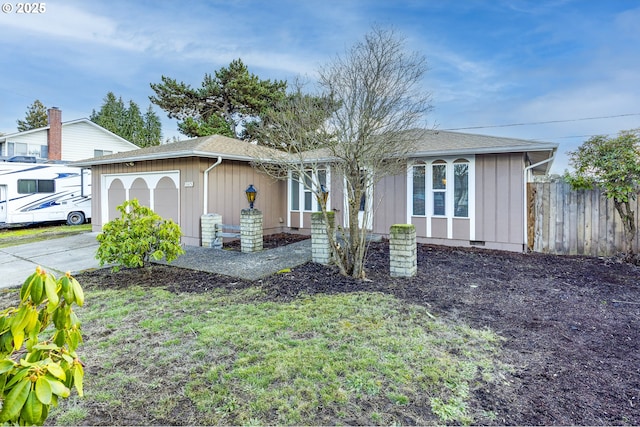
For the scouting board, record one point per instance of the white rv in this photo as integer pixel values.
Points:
(39, 192)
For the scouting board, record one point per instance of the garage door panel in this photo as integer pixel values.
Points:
(116, 195)
(140, 190)
(157, 190)
(166, 199)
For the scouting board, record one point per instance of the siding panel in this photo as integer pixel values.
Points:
(390, 203)
(500, 198)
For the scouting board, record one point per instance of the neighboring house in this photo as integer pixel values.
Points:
(458, 189)
(63, 142)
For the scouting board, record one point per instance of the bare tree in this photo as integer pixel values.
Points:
(363, 125)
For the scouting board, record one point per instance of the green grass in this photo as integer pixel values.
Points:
(19, 236)
(234, 358)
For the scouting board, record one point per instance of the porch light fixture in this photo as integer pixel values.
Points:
(251, 195)
(324, 195)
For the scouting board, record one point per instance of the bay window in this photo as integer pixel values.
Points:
(440, 188)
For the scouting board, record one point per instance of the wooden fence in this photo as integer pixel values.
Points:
(570, 222)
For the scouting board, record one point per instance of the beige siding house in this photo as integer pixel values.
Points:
(186, 180)
(458, 189)
(65, 142)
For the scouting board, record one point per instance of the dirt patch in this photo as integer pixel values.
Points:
(571, 324)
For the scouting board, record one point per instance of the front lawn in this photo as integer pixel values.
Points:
(517, 339)
(157, 357)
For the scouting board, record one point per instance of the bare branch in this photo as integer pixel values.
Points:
(370, 113)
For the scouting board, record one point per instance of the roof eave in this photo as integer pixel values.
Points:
(486, 150)
(95, 161)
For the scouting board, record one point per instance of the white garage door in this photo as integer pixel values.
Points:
(157, 190)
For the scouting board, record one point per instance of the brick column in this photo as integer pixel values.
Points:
(403, 250)
(250, 230)
(208, 223)
(320, 247)
(54, 134)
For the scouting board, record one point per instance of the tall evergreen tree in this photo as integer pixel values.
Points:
(151, 129)
(133, 123)
(111, 114)
(226, 103)
(36, 117)
(128, 122)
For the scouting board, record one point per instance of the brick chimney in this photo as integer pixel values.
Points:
(54, 136)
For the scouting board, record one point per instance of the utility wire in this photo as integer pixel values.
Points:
(544, 123)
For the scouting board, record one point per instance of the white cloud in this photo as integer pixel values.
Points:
(70, 23)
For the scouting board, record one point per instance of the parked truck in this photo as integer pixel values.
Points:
(41, 192)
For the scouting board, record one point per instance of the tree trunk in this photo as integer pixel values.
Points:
(354, 237)
(337, 251)
(629, 223)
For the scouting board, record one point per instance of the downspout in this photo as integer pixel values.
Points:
(525, 210)
(206, 185)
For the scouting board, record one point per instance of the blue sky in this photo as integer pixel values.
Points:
(491, 63)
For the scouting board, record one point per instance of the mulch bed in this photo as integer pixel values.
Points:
(270, 241)
(571, 324)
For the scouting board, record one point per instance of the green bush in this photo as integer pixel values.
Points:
(137, 236)
(34, 373)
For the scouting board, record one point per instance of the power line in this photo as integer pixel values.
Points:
(545, 122)
(575, 136)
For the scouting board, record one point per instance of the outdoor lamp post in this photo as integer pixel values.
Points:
(324, 195)
(251, 195)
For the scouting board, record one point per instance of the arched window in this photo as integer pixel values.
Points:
(439, 187)
(461, 188)
(419, 189)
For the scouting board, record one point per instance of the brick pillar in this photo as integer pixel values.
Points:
(320, 248)
(54, 135)
(208, 223)
(250, 230)
(403, 250)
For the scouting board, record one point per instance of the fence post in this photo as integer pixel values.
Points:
(403, 250)
(208, 223)
(250, 230)
(320, 247)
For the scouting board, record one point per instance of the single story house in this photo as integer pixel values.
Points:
(458, 189)
(63, 142)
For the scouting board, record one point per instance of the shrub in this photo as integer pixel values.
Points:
(137, 236)
(34, 373)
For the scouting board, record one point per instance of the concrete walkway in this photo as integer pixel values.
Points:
(248, 266)
(77, 253)
(72, 253)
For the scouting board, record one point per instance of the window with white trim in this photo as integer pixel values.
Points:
(441, 188)
(24, 149)
(419, 193)
(461, 188)
(302, 189)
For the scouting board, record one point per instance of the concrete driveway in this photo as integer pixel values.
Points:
(73, 253)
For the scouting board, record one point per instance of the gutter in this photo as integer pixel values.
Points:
(206, 185)
(525, 210)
